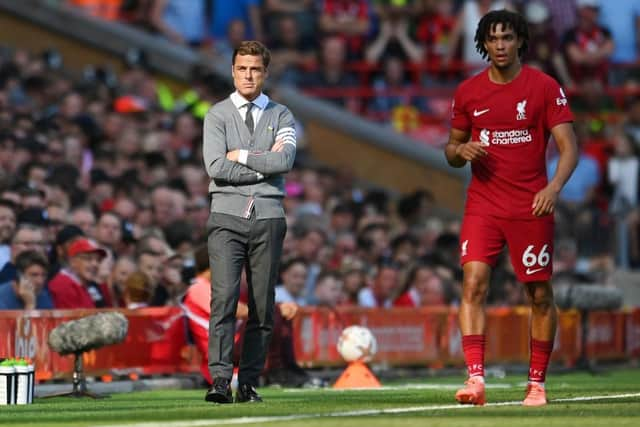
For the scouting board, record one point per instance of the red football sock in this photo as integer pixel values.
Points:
(539, 361)
(473, 347)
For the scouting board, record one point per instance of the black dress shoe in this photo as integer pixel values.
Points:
(220, 391)
(247, 393)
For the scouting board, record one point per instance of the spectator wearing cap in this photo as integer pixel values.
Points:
(7, 228)
(27, 236)
(74, 286)
(28, 291)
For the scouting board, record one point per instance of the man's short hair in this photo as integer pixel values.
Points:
(28, 258)
(254, 48)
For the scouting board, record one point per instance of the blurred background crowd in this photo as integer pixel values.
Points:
(103, 192)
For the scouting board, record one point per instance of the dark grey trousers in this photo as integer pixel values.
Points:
(234, 242)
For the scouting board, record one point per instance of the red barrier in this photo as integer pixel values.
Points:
(568, 344)
(156, 343)
(431, 335)
(605, 338)
(404, 336)
(157, 338)
(632, 327)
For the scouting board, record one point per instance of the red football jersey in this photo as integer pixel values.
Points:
(513, 122)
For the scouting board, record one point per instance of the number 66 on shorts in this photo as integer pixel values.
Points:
(530, 244)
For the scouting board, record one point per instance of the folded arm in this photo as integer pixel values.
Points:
(281, 156)
(214, 152)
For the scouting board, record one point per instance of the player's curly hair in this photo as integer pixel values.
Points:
(508, 19)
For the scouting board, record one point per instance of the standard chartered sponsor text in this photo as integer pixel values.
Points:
(514, 136)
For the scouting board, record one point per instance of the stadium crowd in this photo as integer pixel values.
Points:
(103, 193)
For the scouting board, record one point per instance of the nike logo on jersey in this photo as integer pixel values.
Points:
(533, 270)
(477, 113)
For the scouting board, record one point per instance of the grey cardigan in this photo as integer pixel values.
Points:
(235, 188)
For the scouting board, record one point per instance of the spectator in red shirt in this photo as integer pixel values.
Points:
(433, 31)
(588, 46)
(348, 19)
(74, 286)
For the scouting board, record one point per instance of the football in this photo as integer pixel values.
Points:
(357, 343)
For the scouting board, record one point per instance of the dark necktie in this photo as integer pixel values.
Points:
(248, 119)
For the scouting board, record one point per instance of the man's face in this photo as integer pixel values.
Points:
(294, 278)
(7, 224)
(86, 265)
(249, 74)
(37, 275)
(85, 220)
(108, 230)
(502, 45)
(386, 282)
(26, 239)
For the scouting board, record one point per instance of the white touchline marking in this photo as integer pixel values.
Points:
(434, 386)
(358, 413)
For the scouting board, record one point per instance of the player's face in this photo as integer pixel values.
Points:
(502, 44)
(249, 74)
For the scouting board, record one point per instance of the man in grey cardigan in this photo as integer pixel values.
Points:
(249, 144)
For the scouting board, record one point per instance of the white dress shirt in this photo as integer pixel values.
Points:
(242, 104)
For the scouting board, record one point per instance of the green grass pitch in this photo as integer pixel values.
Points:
(421, 403)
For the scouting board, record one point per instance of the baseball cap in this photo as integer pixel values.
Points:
(85, 246)
(588, 3)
